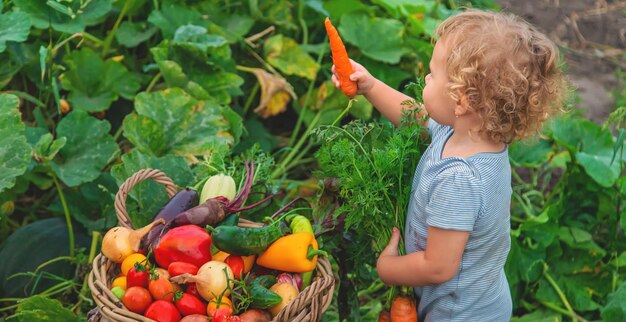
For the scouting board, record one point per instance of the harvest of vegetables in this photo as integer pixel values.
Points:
(201, 264)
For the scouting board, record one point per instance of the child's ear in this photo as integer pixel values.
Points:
(462, 107)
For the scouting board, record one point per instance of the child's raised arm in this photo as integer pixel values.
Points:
(388, 101)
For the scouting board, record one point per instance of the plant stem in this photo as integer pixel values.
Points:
(281, 168)
(153, 82)
(68, 218)
(109, 39)
(27, 97)
(248, 103)
(343, 113)
(306, 101)
(556, 308)
(558, 290)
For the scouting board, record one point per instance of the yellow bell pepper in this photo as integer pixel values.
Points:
(295, 253)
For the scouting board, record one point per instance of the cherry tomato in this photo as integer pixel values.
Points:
(119, 281)
(162, 289)
(137, 278)
(163, 311)
(225, 305)
(193, 290)
(179, 268)
(137, 299)
(236, 264)
(130, 261)
(188, 304)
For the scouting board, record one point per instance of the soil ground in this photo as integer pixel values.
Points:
(591, 35)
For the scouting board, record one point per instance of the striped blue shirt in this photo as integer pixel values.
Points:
(467, 194)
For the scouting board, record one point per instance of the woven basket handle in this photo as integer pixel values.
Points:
(122, 193)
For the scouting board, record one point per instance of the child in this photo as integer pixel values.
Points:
(493, 79)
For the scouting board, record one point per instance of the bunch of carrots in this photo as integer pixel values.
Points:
(403, 307)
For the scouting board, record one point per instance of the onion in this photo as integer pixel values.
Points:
(120, 242)
(212, 280)
(293, 279)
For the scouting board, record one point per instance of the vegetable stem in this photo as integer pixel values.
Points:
(558, 290)
(66, 211)
(153, 82)
(109, 39)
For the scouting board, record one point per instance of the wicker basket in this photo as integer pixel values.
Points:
(309, 305)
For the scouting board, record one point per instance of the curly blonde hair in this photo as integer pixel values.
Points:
(507, 70)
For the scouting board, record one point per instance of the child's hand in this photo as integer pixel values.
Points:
(392, 247)
(364, 80)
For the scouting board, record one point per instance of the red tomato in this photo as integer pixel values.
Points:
(222, 314)
(193, 290)
(163, 311)
(188, 304)
(137, 299)
(135, 278)
(162, 289)
(179, 268)
(236, 265)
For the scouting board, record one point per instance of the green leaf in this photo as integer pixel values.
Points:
(615, 308)
(131, 34)
(378, 38)
(231, 26)
(579, 294)
(14, 26)
(530, 153)
(592, 145)
(88, 150)
(285, 54)
(47, 148)
(43, 309)
(523, 263)
(16, 151)
(44, 16)
(199, 63)
(172, 16)
(93, 204)
(337, 8)
(148, 196)
(94, 84)
(23, 252)
(538, 316)
(405, 8)
(173, 122)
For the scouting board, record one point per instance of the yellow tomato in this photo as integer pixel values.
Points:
(119, 281)
(129, 262)
(212, 307)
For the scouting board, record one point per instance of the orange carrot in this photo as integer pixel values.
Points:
(403, 309)
(343, 67)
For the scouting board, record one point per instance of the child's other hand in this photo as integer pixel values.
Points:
(392, 247)
(364, 80)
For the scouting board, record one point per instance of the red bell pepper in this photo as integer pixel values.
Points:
(187, 243)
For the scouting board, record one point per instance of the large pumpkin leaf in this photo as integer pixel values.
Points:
(530, 153)
(199, 63)
(173, 122)
(43, 309)
(63, 16)
(285, 54)
(131, 34)
(378, 38)
(148, 197)
(89, 148)
(14, 26)
(94, 84)
(615, 309)
(593, 146)
(15, 151)
(171, 16)
(32, 245)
